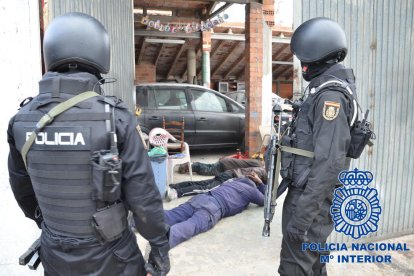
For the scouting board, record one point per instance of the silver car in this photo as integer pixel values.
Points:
(211, 119)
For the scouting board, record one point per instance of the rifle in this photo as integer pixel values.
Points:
(31, 256)
(272, 174)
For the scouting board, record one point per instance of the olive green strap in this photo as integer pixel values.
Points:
(297, 151)
(48, 118)
(277, 172)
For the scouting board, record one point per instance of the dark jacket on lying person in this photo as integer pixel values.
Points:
(187, 188)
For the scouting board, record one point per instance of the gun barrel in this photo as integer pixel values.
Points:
(266, 229)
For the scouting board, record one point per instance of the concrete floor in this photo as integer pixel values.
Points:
(235, 246)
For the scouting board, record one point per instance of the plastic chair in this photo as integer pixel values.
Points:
(159, 137)
(178, 159)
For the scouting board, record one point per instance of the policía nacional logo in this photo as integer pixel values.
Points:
(330, 110)
(355, 209)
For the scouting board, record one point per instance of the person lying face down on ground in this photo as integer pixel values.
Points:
(220, 166)
(188, 188)
(203, 211)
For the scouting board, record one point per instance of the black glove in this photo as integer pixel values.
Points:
(158, 260)
(296, 235)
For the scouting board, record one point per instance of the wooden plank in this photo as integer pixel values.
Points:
(235, 65)
(237, 44)
(175, 60)
(159, 54)
(141, 51)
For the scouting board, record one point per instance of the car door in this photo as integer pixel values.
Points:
(171, 103)
(215, 122)
(141, 106)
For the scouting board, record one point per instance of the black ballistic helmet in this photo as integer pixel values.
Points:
(318, 40)
(76, 40)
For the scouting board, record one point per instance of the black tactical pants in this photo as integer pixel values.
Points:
(294, 261)
(197, 187)
(120, 257)
(223, 165)
(207, 169)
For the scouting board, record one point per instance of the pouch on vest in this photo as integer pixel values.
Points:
(110, 222)
(106, 176)
(361, 134)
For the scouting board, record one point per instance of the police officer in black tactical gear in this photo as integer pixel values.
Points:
(87, 167)
(321, 128)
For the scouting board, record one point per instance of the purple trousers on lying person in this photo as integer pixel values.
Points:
(203, 211)
(193, 217)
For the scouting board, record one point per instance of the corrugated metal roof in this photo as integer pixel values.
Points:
(380, 38)
(117, 17)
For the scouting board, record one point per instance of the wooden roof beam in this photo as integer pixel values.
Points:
(226, 59)
(218, 47)
(165, 19)
(235, 65)
(288, 74)
(240, 74)
(159, 54)
(211, 7)
(279, 54)
(175, 60)
(278, 70)
(141, 51)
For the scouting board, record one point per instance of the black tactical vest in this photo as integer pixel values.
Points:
(59, 159)
(296, 168)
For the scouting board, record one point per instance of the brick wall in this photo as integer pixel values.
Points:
(144, 73)
(269, 12)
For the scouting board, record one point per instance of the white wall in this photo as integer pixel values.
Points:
(20, 71)
(267, 76)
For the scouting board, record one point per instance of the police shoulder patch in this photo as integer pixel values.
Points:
(330, 110)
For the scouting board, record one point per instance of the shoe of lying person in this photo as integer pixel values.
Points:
(171, 194)
(183, 168)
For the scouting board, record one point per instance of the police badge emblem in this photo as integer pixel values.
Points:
(355, 209)
(330, 110)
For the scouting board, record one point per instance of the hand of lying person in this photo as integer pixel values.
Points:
(255, 178)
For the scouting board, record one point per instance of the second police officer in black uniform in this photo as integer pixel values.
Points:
(322, 123)
(87, 167)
